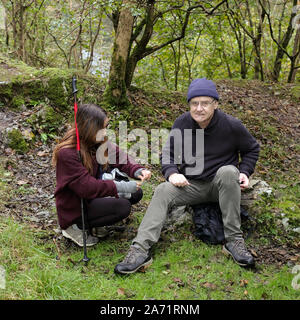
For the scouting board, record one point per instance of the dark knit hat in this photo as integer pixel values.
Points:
(202, 87)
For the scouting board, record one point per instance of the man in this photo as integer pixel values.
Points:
(221, 177)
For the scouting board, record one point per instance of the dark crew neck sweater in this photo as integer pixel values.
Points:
(225, 140)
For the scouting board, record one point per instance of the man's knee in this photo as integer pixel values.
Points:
(228, 174)
(164, 189)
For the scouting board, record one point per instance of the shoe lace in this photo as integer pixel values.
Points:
(240, 248)
(131, 255)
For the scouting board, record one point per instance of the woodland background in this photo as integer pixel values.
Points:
(137, 58)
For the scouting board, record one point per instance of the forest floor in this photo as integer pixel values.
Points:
(41, 264)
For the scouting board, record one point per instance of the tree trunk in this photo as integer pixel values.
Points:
(282, 45)
(115, 93)
(258, 65)
(138, 51)
(227, 64)
(6, 31)
(295, 58)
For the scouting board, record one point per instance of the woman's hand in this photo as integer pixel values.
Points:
(138, 185)
(145, 175)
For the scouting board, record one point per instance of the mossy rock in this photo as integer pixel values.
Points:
(17, 101)
(47, 121)
(21, 84)
(6, 93)
(17, 142)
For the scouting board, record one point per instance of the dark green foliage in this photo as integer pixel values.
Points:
(17, 142)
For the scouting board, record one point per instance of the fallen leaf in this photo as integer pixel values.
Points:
(295, 258)
(245, 292)
(179, 282)
(21, 182)
(282, 252)
(8, 151)
(198, 267)
(143, 269)
(209, 285)
(121, 291)
(253, 253)
(42, 153)
(243, 283)
(229, 289)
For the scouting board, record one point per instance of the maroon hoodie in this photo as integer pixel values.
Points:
(74, 182)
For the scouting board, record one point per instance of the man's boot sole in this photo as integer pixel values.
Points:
(145, 264)
(227, 252)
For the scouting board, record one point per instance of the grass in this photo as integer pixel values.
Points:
(183, 268)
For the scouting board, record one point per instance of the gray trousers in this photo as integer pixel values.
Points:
(224, 188)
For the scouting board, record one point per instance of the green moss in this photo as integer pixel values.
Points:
(52, 118)
(22, 84)
(46, 122)
(17, 141)
(32, 91)
(57, 92)
(17, 101)
(115, 94)
(6, 93)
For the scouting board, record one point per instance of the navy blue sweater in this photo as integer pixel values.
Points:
(226, 142)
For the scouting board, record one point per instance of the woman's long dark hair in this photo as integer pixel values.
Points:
(90, 119)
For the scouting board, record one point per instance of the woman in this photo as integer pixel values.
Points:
(76, 179)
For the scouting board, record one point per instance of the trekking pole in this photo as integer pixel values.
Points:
(85, 258)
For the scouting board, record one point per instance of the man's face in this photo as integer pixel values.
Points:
(202, 109)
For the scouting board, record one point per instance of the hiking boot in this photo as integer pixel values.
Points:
(135, 259)
(239, 253)
(75, 234)
(102, 232)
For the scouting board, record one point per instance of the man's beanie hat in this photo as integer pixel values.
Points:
(202, 87)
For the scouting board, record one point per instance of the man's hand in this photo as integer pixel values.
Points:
(145, 175)
(244, 181)
(178, 180)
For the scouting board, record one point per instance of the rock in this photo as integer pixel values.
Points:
(28, 134)
(44, 214)
(177, 216)
(297, 230)
(285, 223)
(14, 139)
(57, 230)
(34, 219)
(256, 189)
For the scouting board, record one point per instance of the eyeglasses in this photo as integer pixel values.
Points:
(204, 104)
